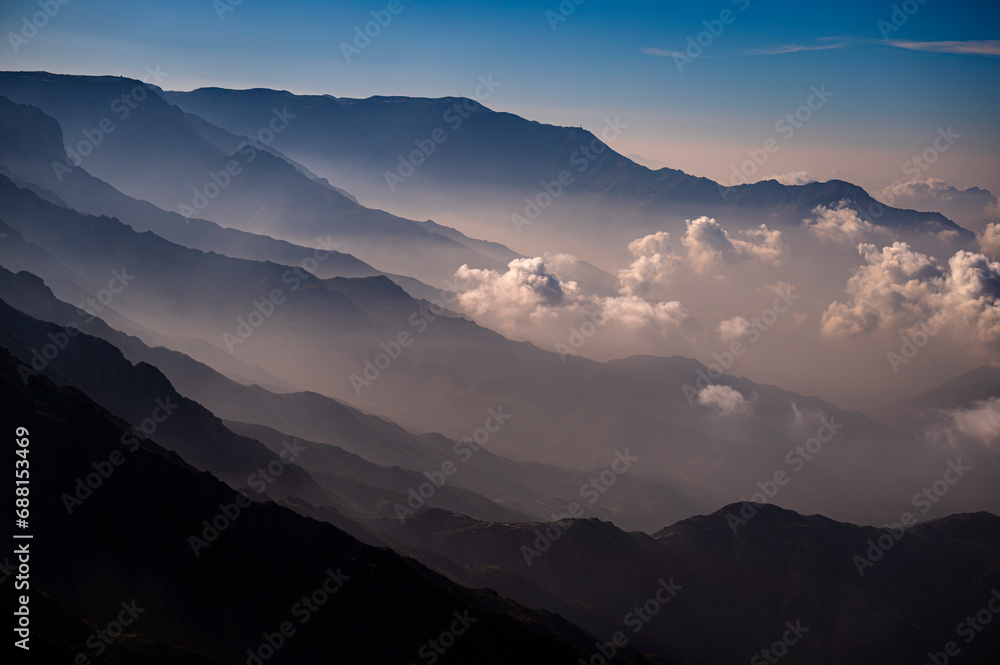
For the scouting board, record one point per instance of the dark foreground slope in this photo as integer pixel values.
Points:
(737, 590)
(361, 445)
(131, 540)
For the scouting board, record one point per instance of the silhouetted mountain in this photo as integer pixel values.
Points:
(63, 636)
(777, 569)
(142, 396)
(132, 539)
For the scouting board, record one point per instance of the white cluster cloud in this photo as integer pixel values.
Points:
(525, 293)
(636, 313)
(708, 243)
(899, 289)
(527, 296)
(733, 329)
(896, 289)
(795, 178)
(727, 400)
(840, 224)
(972, 295)
(989, 240)
(654, 261)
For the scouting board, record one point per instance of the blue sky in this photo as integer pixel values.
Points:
(889, 96)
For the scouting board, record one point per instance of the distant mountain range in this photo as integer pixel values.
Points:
(268, 194)
(498, 160)
(184, 293)
(242, 403)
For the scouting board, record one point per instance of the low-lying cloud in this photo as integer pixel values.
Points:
(978, 425)
(654, 261)
(840, 224)
(900, 288)
(989, 240)
(707, 243)
(527, 296)
(729, 401)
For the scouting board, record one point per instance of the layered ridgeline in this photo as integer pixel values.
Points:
(456, 157)
(123, 132)
(824, 591)
(686, 261)
(673, 279)
(744, 583)
(271, 586)
(32, 150)
(449, 373)
(367, 467)
(154, 355)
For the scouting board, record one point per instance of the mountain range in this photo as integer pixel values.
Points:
(275, 418)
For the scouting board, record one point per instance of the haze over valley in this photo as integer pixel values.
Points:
(672, 336)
